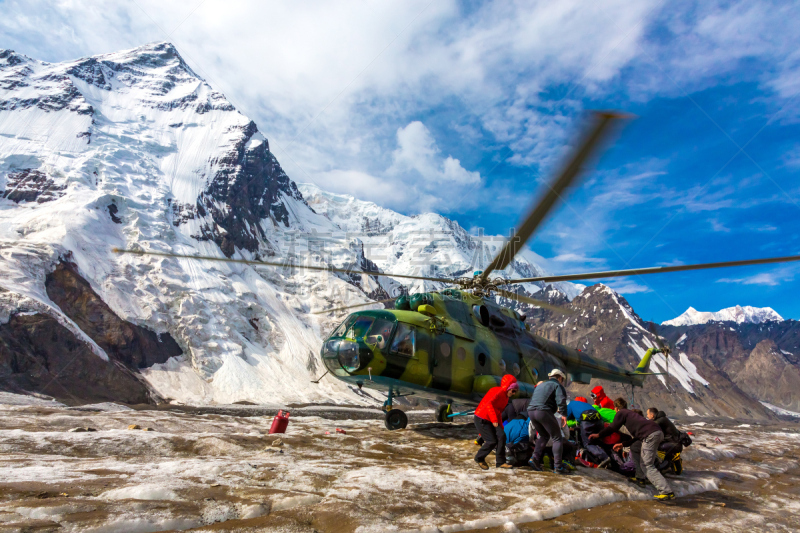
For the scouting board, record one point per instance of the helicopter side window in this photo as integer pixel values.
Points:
(403, 343)
(359, 327)
(379, 333)
(339, 332)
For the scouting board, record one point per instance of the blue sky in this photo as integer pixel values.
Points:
(464, 108)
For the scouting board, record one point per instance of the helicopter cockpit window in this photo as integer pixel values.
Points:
(360, 327)
(339, 332)
(379, 333)
(403, 343)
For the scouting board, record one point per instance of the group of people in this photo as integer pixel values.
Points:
(536, 429)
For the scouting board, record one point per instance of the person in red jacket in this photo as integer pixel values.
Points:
(488, 421)
(599, 397)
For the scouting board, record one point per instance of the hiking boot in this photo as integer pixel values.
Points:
(605, 463)
(505, 465)
(546, 463)
(638, 481)
(562, 469)
(534, 464)
(568, 465)
(665, 496)
(483, 465)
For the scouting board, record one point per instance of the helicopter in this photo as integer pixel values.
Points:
(453, 345)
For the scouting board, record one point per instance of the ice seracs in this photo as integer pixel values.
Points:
(738, 314)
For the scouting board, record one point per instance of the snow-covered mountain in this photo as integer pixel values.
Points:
(738, 314)
(134, 150)
(425, 244)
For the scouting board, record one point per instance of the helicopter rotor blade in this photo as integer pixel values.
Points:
(532, 301)
(352, 306)
(599, 128)
(655, 270)
(659, 340)
(272, 263)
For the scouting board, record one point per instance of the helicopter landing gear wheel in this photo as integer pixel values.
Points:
(442, 411)
(395, 419)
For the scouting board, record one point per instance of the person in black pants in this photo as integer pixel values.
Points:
(548, 398)
(489, 424)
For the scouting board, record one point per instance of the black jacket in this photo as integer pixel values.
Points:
(671, 433)
(516, 408)
(637, 425)
(550, 396)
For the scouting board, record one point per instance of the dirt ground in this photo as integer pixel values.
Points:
(217, 470)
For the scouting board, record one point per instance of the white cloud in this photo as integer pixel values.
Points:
(417, 153)
(772, 278)
(627, 286)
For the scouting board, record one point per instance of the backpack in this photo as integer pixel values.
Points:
(684, 439)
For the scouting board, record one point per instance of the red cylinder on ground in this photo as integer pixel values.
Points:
(279, 423)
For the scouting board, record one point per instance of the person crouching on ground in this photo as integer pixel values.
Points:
(488, 422)
(548, 398)
(647, 436)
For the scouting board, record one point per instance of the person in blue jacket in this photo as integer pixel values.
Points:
(576, 408)
(518, 444)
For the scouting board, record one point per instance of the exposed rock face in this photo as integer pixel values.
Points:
(30, 185)
(761, 358)
(132, 345)
(38, 354)
(248, 188)
(606, 327)
(767, 375)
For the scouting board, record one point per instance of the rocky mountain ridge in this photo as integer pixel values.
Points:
(606, 326)
(763, 359)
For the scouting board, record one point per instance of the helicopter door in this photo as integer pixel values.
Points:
(442, 361)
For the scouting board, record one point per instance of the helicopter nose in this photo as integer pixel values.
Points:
(349, 357)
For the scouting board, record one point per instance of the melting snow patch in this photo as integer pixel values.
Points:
(9, 398)
(779, 410)
(295, 501)
(584, 499)
(141, 492)
(107, 407)
(144, 525)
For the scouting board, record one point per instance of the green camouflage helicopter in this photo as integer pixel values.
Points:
(453, 345)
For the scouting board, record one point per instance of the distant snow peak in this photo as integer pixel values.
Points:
(738, 314)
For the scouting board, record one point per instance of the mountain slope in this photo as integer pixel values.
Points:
(605, 326)
(134, 150)
(761, 358)
(426, 244)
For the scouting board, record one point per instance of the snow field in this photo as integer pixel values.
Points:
(201, 468)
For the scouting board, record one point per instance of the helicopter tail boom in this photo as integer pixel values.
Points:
(582, 367)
